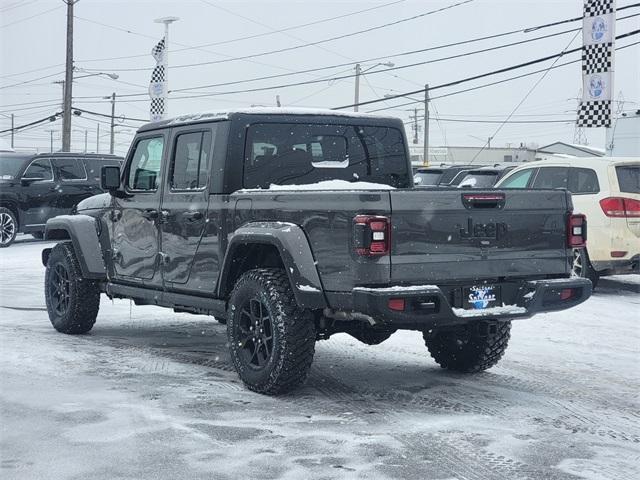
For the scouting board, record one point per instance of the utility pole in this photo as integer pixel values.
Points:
(86, 133)
(51, 134)
(425, 147)
(357, 93)
(68, 80)
(278, 101)
(113, 119)
(12, 132)
(415, 125)
(98, 139)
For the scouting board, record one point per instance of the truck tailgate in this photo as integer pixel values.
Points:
(438, 235)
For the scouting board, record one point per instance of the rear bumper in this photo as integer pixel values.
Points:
(617, 267)
(428, 306)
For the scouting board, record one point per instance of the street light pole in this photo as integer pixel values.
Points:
(356, 99)
(425, 147)
(113, 119)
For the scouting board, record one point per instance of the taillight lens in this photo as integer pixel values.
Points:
(371, 235)
(577, 231)
(620, 207)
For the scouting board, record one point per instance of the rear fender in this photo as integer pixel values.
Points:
(292, 245)
(81, 230)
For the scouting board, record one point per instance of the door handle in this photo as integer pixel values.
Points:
(150, 213)
(193, 216)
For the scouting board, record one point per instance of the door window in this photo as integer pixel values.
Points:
(190, 164)
(144, 170)
(39, 169)
(518, 180)
(70, 169)
(583, 180)
(552, 177)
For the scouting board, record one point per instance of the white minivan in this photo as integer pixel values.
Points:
(607, 191)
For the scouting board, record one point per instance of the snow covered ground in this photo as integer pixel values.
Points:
(152, 394)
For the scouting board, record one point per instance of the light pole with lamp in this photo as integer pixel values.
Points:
(359, 72)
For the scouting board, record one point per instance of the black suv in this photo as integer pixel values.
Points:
(34, 188)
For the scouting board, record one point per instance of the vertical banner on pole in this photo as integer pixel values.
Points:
(158, 84)
(598, 37)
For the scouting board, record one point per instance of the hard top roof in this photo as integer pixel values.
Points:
(266, 111)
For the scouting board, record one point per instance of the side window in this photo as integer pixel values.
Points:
(39, 169)
(518, 180)
(552, 177)
(190, 163)
(70, 169)
(583, 180)
(94, 167)
(144, 170)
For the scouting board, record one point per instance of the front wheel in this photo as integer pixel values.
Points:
(469, 348)
(272, 340)
(72, 301)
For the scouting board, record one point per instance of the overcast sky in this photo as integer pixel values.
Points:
(33, 48)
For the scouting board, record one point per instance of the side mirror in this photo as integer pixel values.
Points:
(110, 178)
(26, 181)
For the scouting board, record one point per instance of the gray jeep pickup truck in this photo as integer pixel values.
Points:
(290, 226)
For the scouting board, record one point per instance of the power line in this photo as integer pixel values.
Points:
(109, 116)
(29, 18)
(37, 122)
(482, 75)
(16, 5)
(457, 92)
(296, 47)
(458, 120)
(30, 81)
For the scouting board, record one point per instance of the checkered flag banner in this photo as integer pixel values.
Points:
(158, 84)
(598, 34)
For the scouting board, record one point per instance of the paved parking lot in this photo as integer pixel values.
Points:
(152, 394)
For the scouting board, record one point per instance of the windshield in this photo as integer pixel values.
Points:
(427, 177)
(479, 180)
(10, 166)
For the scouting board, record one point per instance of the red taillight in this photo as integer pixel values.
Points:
(396, 304)
(371, 235)
(566, 293)
(577, 231)
(620, 207)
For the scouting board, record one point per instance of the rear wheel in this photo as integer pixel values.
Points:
(72, 301)
(271, 339)
(581, 266)
(8, 227)
(470, 348)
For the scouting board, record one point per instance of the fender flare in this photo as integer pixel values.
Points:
(83, 233)
(292, 245)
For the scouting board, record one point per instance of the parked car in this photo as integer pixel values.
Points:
(442, 175)
(607, 191)
(35, 188)
(293, 225)
(485, 177)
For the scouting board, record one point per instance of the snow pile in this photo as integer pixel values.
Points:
(398, 289)
(324, 185)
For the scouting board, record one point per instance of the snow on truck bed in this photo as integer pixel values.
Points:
(324, 185)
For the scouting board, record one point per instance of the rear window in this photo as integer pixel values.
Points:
(431, 177)
(583, 180)
(479, 180)
(450, 175)
(301, 154)
(94, 166)
(70, 169)
(629, 178)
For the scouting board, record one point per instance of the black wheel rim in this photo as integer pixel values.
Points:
(256, 334)
(7, 228)
(59, 289)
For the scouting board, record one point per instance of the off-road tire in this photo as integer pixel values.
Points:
(371, 336)
(292, 332)
(80, 309)
(8, 227)
(470, 348)
(581, 266)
